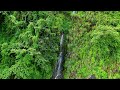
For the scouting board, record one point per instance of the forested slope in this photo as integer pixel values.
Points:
(94, 46)
(29, 44)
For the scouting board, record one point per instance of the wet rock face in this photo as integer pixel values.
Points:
(92, 77)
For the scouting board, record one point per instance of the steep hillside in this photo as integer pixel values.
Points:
(29, 44)
(94, 46)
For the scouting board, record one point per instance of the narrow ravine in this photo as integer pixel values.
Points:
(57, 73)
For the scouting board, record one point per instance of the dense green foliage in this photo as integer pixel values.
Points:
(29, 43)
(94, 46)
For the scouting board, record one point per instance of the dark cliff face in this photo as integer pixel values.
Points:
(1, 18)
(92, 77)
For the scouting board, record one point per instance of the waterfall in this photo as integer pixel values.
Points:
(57, 74)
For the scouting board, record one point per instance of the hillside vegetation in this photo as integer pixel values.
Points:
(29, 44)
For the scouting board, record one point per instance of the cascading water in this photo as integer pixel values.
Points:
(57, 74)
